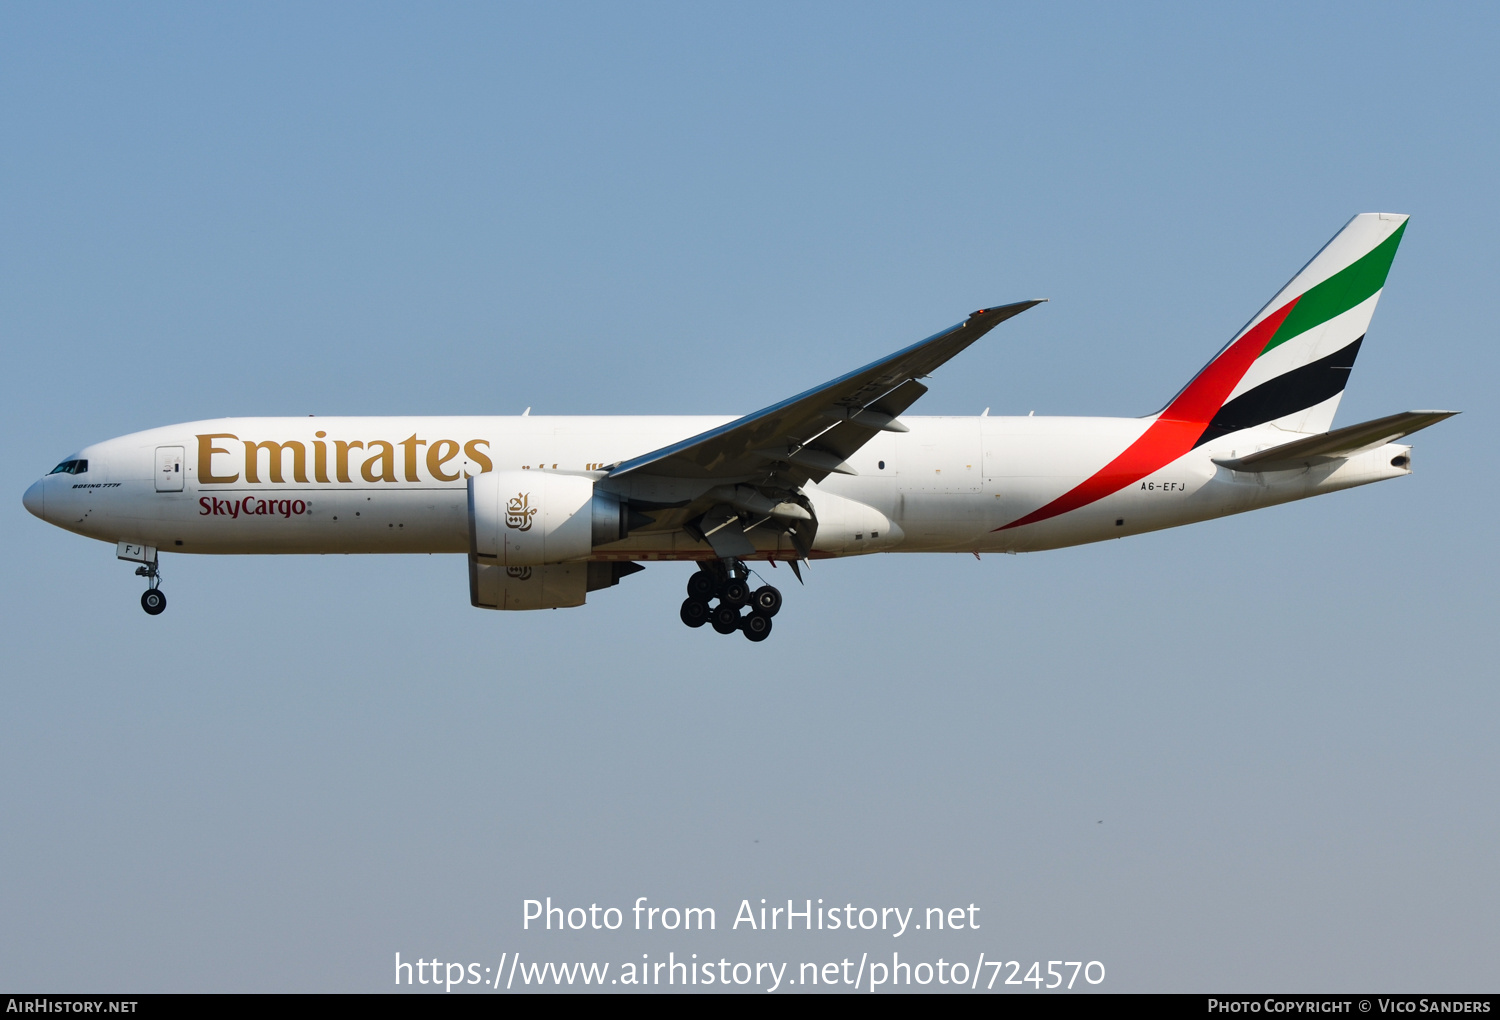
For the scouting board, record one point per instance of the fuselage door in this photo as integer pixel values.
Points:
(169, 469)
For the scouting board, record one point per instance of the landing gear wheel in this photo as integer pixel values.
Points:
(153, 601)
(756, 627)
(766, 601)
(695, 612)
(702, 585)
(726, 619)
(735, 592)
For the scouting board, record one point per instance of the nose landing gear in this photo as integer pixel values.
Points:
(153, 599)
(728, 581)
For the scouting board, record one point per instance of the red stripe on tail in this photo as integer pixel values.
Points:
(1176, 429)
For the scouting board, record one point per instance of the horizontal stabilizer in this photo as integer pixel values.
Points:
(1336, 445)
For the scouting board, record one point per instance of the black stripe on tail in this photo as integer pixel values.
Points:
(1286, 394)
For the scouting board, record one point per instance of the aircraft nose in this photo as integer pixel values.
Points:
(35, 499)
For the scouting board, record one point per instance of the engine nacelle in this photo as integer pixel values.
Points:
(557, 586)
(529, 535)
(533, 518)
(553, 587)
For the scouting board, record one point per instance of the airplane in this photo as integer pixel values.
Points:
(548, 509)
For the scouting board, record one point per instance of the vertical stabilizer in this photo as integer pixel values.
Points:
(1289, 365)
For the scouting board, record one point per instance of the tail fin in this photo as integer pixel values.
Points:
(1289, 364)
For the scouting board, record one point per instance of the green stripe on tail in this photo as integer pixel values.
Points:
(1340, 292)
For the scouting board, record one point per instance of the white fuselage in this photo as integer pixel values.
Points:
(398, 485)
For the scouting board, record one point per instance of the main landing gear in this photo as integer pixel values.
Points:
(153, 600)
(728, 582)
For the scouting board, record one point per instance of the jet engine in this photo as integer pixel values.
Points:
(528, 532)
(531, 518)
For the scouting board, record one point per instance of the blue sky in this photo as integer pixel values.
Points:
(1251, 754)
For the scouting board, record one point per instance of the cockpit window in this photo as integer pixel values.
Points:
(70, 467)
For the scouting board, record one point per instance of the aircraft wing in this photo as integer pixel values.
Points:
(1344, 442)
(809, 436)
